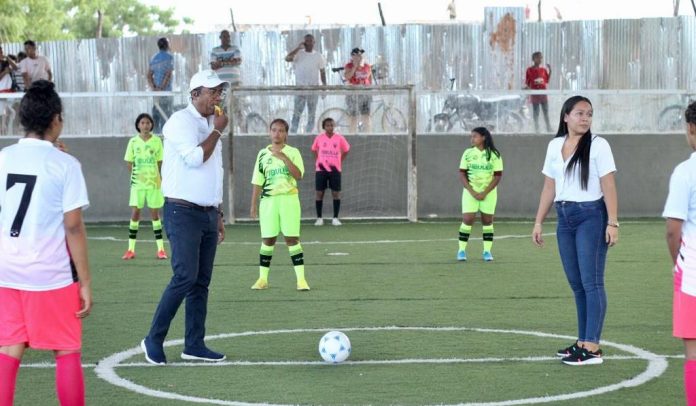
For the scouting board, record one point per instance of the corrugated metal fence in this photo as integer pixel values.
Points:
(651, 54)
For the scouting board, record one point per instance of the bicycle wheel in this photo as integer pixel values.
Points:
(393, 120)
(671, 119)
(510, 123)
(441, 123)
(255, 124)
(340, 117)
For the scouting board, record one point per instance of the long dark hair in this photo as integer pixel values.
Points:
(38, 107)
(582, 151)
(487, 142)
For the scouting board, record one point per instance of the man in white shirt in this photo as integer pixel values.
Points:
(309, 70)
(192, 186)
(34, 67)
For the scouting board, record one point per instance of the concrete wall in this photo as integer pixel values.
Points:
(374, 174)
(644, 164)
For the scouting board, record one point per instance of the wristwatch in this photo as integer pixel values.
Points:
(613, 224)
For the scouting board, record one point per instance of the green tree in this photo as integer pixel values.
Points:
(45, 20)
(36, 19)
(119, 17)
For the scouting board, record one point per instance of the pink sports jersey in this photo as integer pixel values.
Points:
(329, 151)
(39, 184)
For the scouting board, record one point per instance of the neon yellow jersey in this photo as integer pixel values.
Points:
(479, 169)
(145, 156)
(273, 175)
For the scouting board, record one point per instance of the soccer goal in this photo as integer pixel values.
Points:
(378, 178)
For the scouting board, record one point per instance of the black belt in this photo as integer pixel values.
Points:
(186, 203)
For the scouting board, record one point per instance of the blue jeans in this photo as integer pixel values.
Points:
(193, 238)
(161, 117)
(300, 102)
(583, 248)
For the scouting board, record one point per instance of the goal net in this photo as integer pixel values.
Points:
(378, 174)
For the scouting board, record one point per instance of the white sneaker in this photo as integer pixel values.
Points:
(335, 222)
(319, 222)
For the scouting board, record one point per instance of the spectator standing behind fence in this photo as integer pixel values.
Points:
(537, 78)
(6, 86)
(358, 73)
(226, 60)
(34, 67)
(452, 10)
(309, 71)
(159, 77)
(17, 71)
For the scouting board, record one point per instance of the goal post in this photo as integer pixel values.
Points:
(379, 176)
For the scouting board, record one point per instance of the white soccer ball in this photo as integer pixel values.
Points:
(334, 347)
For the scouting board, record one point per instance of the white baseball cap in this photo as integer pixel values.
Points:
(206, 78)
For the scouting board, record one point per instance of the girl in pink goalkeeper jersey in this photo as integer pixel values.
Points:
(681, 241)
(44, 274)
(329, 149)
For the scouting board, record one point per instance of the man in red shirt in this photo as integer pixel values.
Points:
(537, 77)
(358, 73)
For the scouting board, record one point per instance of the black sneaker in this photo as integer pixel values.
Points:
(584, 357)
(568, 351)
(204, 354)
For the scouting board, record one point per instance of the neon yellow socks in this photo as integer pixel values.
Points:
(487, 238)
(132, 234)
(157, 228)
(297, 256)
(464, 233)
(265, 256)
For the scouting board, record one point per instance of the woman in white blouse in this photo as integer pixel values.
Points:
(579, 180)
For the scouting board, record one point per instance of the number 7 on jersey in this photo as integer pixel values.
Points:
(29, 181)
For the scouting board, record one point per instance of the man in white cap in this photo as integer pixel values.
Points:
(193, 219)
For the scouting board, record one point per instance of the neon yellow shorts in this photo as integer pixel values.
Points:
(280, 214)
(485, 206)
(152, 197)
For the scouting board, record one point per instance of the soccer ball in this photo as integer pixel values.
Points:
(334, 347)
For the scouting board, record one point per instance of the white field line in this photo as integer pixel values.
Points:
(420, 241)
(47, 365)
(147, 225)
(656, 365)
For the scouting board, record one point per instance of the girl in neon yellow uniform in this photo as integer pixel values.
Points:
(480, 171)
(144, 161)
(277, 169)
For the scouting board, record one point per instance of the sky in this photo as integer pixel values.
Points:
(211, 15)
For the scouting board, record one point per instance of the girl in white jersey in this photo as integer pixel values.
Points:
(44, 275)
(681, 241)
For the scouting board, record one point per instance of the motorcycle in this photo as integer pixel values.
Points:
(506, 114)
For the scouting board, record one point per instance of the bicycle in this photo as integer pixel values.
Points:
(671, 118)
(249, 121)
(392, 119)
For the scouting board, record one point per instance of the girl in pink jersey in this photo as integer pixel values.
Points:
(330, 149)
(681, 241)
(44, 274)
